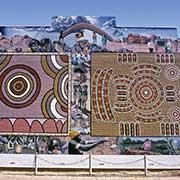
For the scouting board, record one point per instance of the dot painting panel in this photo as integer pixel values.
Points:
(135, 94)
(34, 91)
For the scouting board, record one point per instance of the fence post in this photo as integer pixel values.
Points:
(145, 165)
(36, 164)
(90, 164)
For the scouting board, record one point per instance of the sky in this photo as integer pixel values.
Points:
(128, 12)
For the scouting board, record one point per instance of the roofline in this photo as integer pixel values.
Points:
(121, 26)
(149, 27)
(25, 26)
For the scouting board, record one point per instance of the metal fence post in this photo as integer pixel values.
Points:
(90, 164)
(36, 164)
(145, 165)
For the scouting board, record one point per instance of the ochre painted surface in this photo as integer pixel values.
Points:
(135, 94)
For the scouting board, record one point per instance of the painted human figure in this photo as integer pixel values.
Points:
(75, 93)
(168, 46)
(94, 38)
(104, 41)
(79, 96)
(77, 145)
(42, 146)
(147, 145)
(151, 46)
(156, 44)
(46, 45)
(79, 58)
(61, 37)
(34, 45)
(84, 96)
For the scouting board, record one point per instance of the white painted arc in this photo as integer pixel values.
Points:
(53, 109)
(54, 61)
(23, 94)
(63, 85)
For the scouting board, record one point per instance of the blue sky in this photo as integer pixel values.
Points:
(128, 12)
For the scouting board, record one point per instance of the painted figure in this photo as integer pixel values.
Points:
(77, 145)
(79, 96)
(75, 93)
(104, 42)
(46, 45)
(156, 44)
(34, 45)
(61, 38)
(168, 46)
(94, 38)
(151, 46)
(84, 96)
(147, 145)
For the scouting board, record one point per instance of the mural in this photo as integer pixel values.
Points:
(114, 146)
(34, 94)
(148, 39)
(135, 94)
(81, 35)
(101, 33)
(84, 35)
(28, 39)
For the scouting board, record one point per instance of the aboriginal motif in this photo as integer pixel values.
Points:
(34, 91)
(170, 94)
(135, 94)
(164, 59)
(171, 73)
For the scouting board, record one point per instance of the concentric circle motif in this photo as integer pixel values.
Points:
(171, 73)
(146, 93)
(61, 87)
(19, 86)
(4, 61)
(174, 113)
(51, 108)
(52, 64)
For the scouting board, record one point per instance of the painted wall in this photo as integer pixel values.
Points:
(81, 36)
(33, 92)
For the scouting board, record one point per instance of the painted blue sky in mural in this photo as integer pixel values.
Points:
(106, 23)
(64, 22)
(67, 27)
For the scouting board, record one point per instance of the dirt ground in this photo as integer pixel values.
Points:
(98, 175)
(23, 177)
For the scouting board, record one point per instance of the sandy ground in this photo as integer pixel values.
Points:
(18, 177)
(98, 175)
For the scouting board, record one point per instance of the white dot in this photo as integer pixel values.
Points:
(146, 92)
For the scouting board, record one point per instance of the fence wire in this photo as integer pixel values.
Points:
(163, 164)
(107, 162)
(66, 164)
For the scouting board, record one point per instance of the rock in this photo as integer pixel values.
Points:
(137, 38)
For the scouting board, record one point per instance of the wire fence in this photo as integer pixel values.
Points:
(163, 164)
(64, 163)
(146, 162)
(114, 163)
